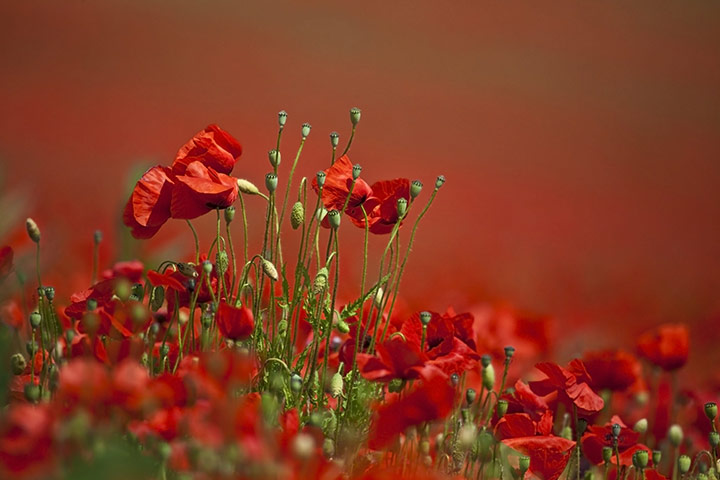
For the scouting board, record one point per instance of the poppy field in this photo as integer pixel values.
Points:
(233, 361)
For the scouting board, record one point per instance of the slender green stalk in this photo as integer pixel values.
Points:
(197, 242)
(350, 140)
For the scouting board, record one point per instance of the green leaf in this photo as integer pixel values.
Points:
(352, 308)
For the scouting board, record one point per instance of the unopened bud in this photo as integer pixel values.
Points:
(282, 118)
(401, 207)
(641, 426)
(32, 230)
(269, 269)
(415, 188)
(229, 214)
(357, 168)
(425, 317)
(271, 182)
(320, 281)
(355, 115)
(334, 219)
(247, 187)
(157, 296)
(320, 177)
(470, 395)
(274, 157)
(336, 385)
(334, 139)
(439, 181)
(18, 364)
(305, 129)
(222, 262)
(523, 465)
(35, 319)
(711, 411)
(502, 408)
(297, 215)
(378, 298)
(343, 327)
(675, 435)
(684, 463)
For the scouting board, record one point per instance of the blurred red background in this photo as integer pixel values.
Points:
(580, 140)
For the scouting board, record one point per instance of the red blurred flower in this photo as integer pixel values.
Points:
(614, 370)
(666, 346)
(26, 437)
(235, 323)
(548, 455)
(6, 262)
(572, 386)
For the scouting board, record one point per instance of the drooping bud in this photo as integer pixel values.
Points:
(378, 298)
(222, 262)
(282, 118)
(336, 384)
(711, 411)
(607, 453)
(157, 296)
(297, 215)
(684, 463)
(523, 465)
(641, 426)
(355, 115)
(642, 458)
(271, 182)
(415, 188)
(675, 435)
(320, 281)
(357, 168)
(18, 364)
(470, 395)
(305, 130)
(439, 181)
(320, 177)
(247, 187)
(401, 207)
(425, 317)
(32, 230)
(656, 457)
(229, 214)
(334, 219)
(274, 157)
(269, 269)
(502, 408)
(35, 319)
(334, 139)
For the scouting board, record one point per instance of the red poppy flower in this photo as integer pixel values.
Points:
(386, 194)
(201, 189)
(571, 386)
(548, 455)
(84, 383)
(235, 323)
(213, 146)
(6, 262)
(598, 437)
(515, 425)
(614, 370)
(149, 205)
(430, 401)
(523, 400)
(397, 359)
(666, 346)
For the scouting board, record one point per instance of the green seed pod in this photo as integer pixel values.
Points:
(297, 215)
(675, 435)
(656, 457)
(523, 464)
(164, 350)
(616, 429)
(336, 385)
(470, 395)
(271, 182)
(229, 214)
(334, 219)
(642, 458)
(334, 139)
(439, 182)
(714, 439)
(222, 262)
(415, 188)
(157, 297)
(305, 129)
(357, 168)
(269, 269)
(401, 207)
(607, 453)
(138, 290)
(207, 267)
(18, 364)
(320, 177)
(247, 187)
(32, 392)
(35, 319)
(274, 157)
(684, 463)
(32, 230)
(50, 293)
(282, 118)
(711, 411)
(296, 383)
(425, 318)
(488, 377)
(502, 408)
(355, 115)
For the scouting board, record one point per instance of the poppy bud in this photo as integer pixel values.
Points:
(455, 379)
(269, 269)
(485, 360)
(355, 115)
(343, 327)
(328, 448)
(502, 408)
(334, 139)
(523, 465)
(336, 385)
(711, 411)
(282, 118)
(207, 267)
(222, 262)
(378, 298)
(334, 219)
(641, 426)
(401, 207)
(714, 439)
(271, 182)
(675, 434)
(656, 457)
(305, 129)
(425, 317)
(439, 181)
(32, 392)
(357, 168)
(320, 177)
(415, 188)
(616, 428)
(470, 395)
(274, 157)
(297, 215)
(229, 214)
(32, 230)
(296, 383)
(247, 187)
(50, 293)
(35, 319)
(18, 364)
(320, 281)
(607, 453)
(684, 463)
(642, 458)
(157, 296)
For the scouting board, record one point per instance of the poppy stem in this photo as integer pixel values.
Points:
(287, 190)
(245, 228)
(197, 242)
(350, 140)
(332, 314)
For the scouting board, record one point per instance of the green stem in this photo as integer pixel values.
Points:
(197, 242)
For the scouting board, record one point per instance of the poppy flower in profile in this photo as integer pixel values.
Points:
(571, 385)
(149, 205)
(6, 262)
(235, 323)
(201, 189)
(549, 455)
(396, 359)
(213, 147)
(614, 370)
(667, 346)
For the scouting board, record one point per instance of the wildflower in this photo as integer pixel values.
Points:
(597, 437)
(235, 323)
(213, 147)
(666, 346)
(549, 455)
(396, 359)
(572, 386)
(614, 370)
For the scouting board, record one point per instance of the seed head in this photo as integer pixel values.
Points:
(282, 118)
(274, 157)
(271, 182)
(229, 214)
(305, 129)
(355, 115)
(401, 207)
(439, 182)
(415, 188)
(334, 139)
(357, 168)
(334, 219)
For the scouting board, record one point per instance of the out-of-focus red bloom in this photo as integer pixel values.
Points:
(213, 146)
(130, 382)
(430, 401)
(200, 190)
(548, 455)
(666, 346)
(396, 359)
(149, 205)
(10, 314)
(235, 323)
(26, 437)
(614, 370)
(598, 437)
(84, 383)
(132, 270)
(571, 384)
(6, 262)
